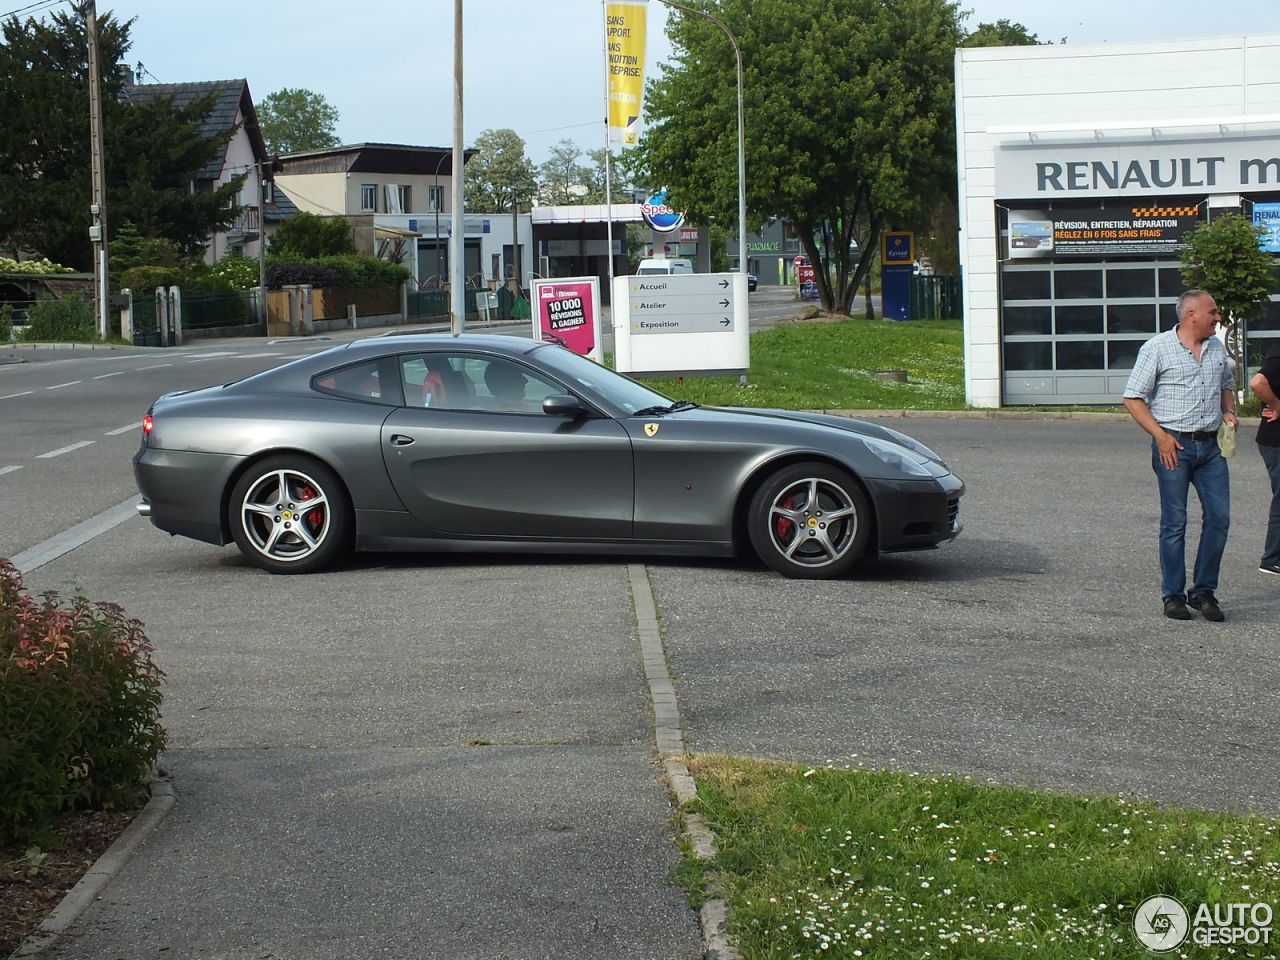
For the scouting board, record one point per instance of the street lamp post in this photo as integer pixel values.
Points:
(742, 151)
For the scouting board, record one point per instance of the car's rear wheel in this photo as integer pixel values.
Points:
(809, 520)
(289, 514)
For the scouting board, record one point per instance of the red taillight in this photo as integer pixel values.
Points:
(147, 424)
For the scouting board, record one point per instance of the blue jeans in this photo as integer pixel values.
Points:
(1200, 465)
(1271, 548)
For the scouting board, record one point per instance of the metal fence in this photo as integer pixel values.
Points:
(935, 298)
(434, 305)
(146, 327)
(201, 310)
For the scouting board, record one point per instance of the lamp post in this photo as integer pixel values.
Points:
(742, 151)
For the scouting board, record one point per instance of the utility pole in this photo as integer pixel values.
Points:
(457, 242)
(98, 208)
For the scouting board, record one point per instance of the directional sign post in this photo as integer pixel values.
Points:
(681, 324)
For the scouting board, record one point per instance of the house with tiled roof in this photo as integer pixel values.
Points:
(262, 206)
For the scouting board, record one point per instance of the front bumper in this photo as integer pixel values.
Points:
(917, 514)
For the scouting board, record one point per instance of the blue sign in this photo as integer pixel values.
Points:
(658, 215)
(1267, 216)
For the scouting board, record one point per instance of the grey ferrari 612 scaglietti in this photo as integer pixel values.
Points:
(493, 443)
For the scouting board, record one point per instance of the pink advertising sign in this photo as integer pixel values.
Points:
(568, 311)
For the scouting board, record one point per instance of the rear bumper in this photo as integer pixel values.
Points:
(918, 514)
(182, 491)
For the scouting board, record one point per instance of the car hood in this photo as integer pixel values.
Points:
(828, 421)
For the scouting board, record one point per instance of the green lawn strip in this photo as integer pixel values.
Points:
(858, 863)
(829, 366)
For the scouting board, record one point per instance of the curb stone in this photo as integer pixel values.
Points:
(669, 736)
(83, 894)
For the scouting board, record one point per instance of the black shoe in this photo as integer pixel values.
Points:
(1269, 568)
(1207, 604)
(1175, 608)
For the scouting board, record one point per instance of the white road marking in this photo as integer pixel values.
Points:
(10, 396)
(211, 356)
(73, 537)
(59, 386)
(216, 356)
(4, 470)
(125, 429)
(61, 450)
(155, 366)
(103, 376)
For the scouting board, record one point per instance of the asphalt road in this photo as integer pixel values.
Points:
(452, 756)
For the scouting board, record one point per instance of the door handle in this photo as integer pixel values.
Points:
(400, 440)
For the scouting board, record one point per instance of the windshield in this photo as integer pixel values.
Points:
(618, 391)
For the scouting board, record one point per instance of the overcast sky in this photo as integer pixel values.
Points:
(533, 65)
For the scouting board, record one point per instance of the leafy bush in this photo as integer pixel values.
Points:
(61, 319)
(32, 266)
(79, 707)
(236, 271)
(365, 271)
(144, 280)
(307, 236)
(6, 323)
(282, 274)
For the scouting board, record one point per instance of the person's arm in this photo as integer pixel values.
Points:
(1166, 443)
(1263, 390)
(1229, 408)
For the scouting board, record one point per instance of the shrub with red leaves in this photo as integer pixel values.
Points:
(79, 707)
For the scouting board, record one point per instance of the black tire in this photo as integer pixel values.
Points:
(802, 538)
(281, 533)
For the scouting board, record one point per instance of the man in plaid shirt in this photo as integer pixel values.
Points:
(1180, 391)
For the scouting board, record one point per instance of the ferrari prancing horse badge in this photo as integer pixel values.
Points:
(651, 428)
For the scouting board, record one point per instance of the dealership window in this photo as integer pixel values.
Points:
(368, 197)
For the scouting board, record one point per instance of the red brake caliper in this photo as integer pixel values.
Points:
(314, 517)
(783, 526)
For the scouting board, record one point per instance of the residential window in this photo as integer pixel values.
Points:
(435, 201)
(268, 191)
(398, 198)
(369, 197)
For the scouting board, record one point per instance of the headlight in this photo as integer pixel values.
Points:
(899, 458)
(912, 444)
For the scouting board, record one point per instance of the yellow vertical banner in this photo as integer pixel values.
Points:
(624, 45)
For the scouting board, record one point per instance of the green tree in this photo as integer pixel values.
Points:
(152, 150)
(849, 128)
(1002, 33)
(308, 236)
(1225, 258)
(295, 119)
(499, 177)
(562, 179)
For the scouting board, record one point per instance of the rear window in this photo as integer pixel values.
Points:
(359, 381)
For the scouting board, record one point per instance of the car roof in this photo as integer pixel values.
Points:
(297, 375)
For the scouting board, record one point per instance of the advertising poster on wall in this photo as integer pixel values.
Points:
(1153, 229)
(568, 312)
(1267, 216)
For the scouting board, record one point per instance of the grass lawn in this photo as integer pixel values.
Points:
(828, 366)
(858, 863)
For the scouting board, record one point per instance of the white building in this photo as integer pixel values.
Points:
(1080, 168)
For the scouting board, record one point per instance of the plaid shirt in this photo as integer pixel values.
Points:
(1183, 395)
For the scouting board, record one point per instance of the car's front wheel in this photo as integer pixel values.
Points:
(289, 514)
(809, 520)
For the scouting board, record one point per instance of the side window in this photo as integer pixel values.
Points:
(509, 387)
(360, 381)
(441, 381)
(436, 380)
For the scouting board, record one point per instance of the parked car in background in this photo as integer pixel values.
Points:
(664, 267)
(751, 283)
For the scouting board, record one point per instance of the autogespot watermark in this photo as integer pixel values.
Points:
(1163, 924)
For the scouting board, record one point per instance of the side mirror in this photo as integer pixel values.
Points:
(562, 405)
